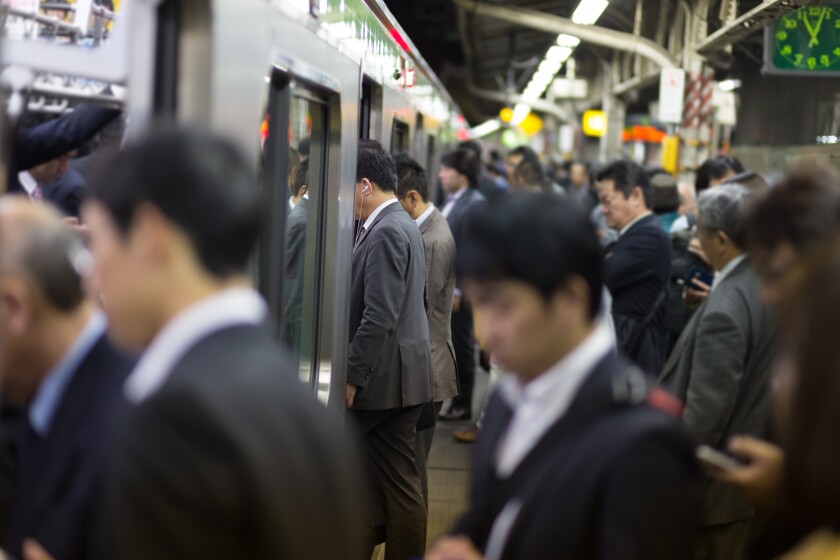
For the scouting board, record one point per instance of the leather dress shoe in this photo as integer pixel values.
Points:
(455, 414)
(466, 436)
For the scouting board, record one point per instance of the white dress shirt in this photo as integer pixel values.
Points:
(291, 202)
(228, 308)
(727, 269)
(539, 404)
(626, 228)
(28, 181)
(376, 212)
(425, 215)
(451, 201)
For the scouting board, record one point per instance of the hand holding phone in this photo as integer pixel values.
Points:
(711, 457)
(697, 273)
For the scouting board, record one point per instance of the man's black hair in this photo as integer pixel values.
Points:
(561, 243)
(531, 172)
(304, 145)
(472, 145)
(376, 165)
(301, 177)
(411, 177)
(199, 181)
(466, 163)
(526, 152)
(626, 176)
(715, 168)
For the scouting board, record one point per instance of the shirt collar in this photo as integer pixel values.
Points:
(378, 210)
(425, 215)
(28, 182)
(52, 388)
(228, 308)
(454, 197)
(728, 268)
(556, 388)
(291, 202)
(626, 228)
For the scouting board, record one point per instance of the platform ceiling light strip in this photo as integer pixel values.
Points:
(587, 13)
(485, 128)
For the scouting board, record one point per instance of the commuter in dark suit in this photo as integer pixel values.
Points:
(637, 266)
(50, 142)
(295, 256)
(571, 460)
(67, 193)
(389, 363)
(413, 193)
(58, 365)
(459, 172)
(487, 186)
(221, 453)
(722, 362)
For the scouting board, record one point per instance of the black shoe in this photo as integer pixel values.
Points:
(455, 413)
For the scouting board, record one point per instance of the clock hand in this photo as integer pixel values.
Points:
(814, 40)
(808, 25)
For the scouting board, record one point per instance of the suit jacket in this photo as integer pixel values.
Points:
(461, 211)
(440, 286)
(389, 357)
(59, 475)
(489, 189)
(47, 141)
(610, 479)
(720, 368)
(293, 279)
(68, 193)
(233, 458)
(636, 271)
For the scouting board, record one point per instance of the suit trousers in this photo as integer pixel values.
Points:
(389, 439)
(463, 341)
(423, 447)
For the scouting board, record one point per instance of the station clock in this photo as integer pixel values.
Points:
(805, 41)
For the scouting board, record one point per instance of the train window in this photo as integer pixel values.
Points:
(364, 111)
(166, 58)
(399, 137)
(294, 174)
(430, 164)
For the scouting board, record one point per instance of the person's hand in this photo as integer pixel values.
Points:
(696, 249)
(34, 551)
(695, 294)
(349, 394)
(761, 479)
(456, 303)
(454, 548)
(77, 226)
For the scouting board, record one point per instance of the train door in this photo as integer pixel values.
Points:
(296, 135)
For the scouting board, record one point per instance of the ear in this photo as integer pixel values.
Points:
(151, 233)
(17, 303)
(303, 190)
(721, 238)
(638, 194)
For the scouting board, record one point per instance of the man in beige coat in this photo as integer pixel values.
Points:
(413, 193)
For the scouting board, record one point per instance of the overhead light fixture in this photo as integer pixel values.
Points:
(485, 128)
(588, 11)
(729, 85)
(564, 40)
(520, 111)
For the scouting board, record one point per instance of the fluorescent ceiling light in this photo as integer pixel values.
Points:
(485, 128)
(588, 11)
(520, 111)
(567, 40)
(729, 85)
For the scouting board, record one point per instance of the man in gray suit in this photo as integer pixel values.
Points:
(296, 222)
(389, 364)
(721, 364)
(413, 192)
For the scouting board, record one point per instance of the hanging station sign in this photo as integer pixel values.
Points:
(804, 42)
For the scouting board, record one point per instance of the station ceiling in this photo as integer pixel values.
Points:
(497, 56)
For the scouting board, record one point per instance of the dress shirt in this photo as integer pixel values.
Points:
(425, 215)
(727, 269)
(539, 404)
(291, 202)
(28, 181)
(451, 201)
(680, 224)
(228, 308)
(49, 395)
(376, 212)
(626, 228)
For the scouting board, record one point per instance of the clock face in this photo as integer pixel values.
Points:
(808, 39)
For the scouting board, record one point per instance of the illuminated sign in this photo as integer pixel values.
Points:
(594, 123)
(805, 41)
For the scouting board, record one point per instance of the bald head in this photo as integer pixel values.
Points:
(35, 245)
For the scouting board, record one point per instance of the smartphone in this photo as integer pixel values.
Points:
(711, 457)
(697, 273)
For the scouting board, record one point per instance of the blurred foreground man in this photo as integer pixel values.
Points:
(222, 453)
(571, 459)
(59, 366)
(389, 364)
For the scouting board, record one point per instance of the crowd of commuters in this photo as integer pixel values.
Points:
(663, 359)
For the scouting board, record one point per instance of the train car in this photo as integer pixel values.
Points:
(269, 74)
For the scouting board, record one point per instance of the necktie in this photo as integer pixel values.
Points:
(362, 233)
(38, 193)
